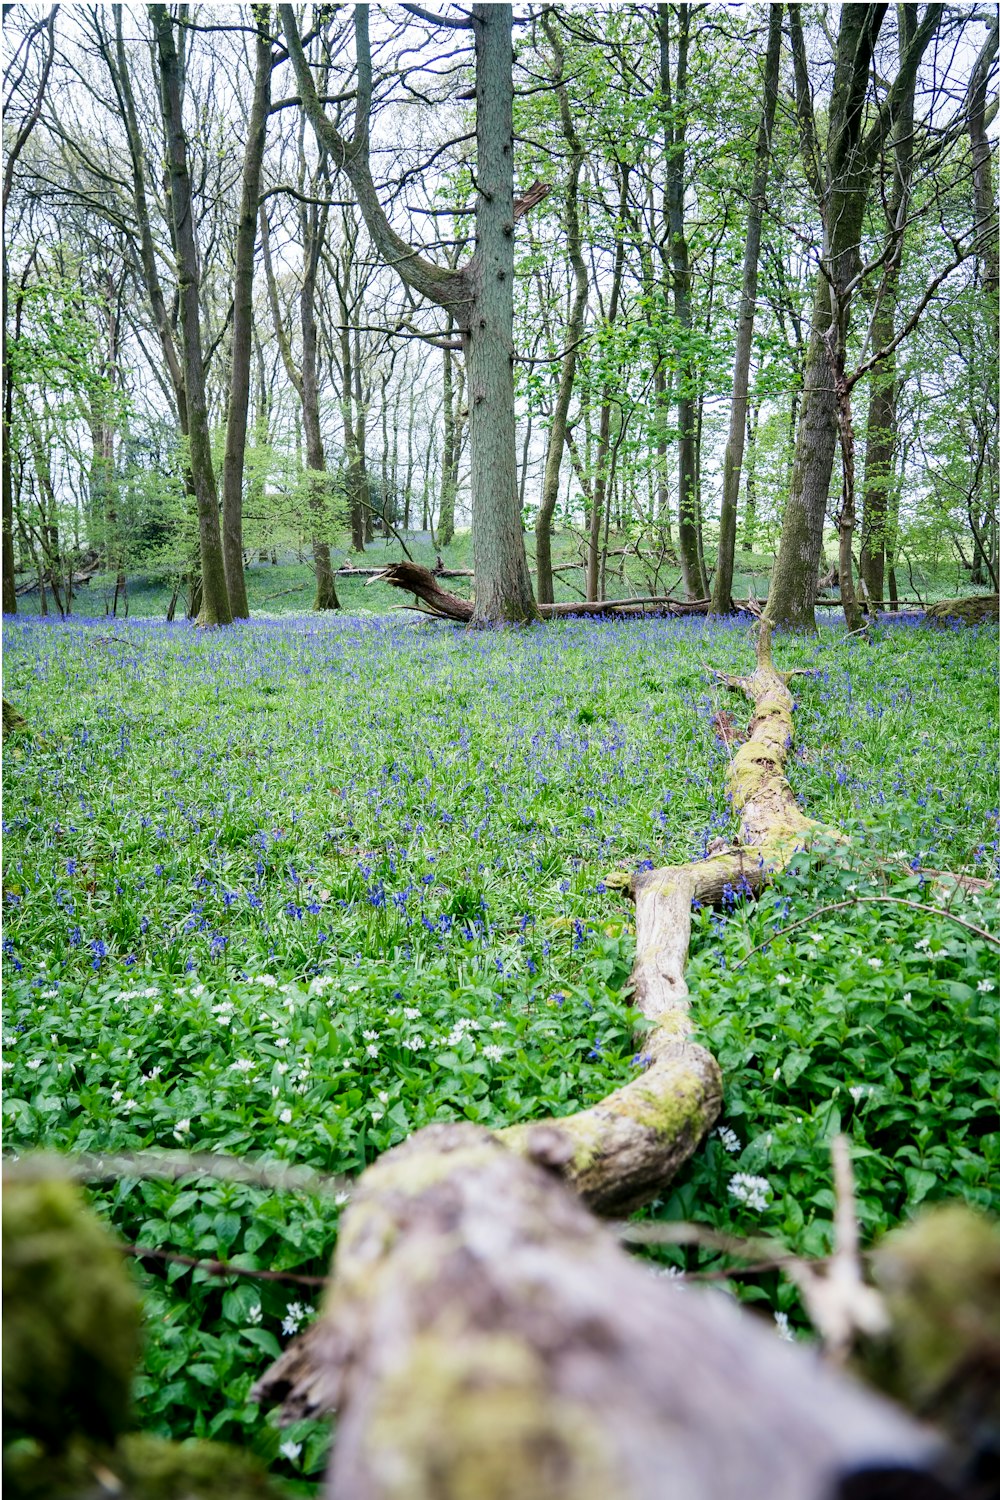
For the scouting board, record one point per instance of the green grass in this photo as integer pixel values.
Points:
(295, 889)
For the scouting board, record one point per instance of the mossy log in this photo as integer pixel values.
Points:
(976, 610)
(12, 719)
(484, 1336)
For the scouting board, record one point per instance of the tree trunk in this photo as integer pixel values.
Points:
(841, 188)
(602, 464)
(215, 608)
(750, 506)
(6, 460)
(242, 339)
(674, 107)
(449, 455)
(880, 452)
(722, 601)
(480, 296)
(503, 583)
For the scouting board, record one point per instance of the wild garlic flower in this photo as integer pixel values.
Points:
(754, 1192)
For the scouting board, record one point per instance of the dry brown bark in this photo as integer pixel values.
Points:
(484, 1336)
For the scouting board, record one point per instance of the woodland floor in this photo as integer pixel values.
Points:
(298, 888)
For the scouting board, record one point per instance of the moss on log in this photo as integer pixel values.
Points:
(70, 1344)
(12, 719)
(976, 610)
(71, 1319)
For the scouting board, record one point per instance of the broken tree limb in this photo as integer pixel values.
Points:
(485, 1337)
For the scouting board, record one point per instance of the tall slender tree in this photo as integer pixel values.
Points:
(479, 295)
(722, 590)
(840, 180)
(242, 337)
(215, 607)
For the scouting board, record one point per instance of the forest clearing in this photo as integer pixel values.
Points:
(501, 822)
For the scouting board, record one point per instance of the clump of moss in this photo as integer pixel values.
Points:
(70, 1322)
(139, 1467)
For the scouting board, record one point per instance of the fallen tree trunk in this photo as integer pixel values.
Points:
(975, 610)
(422, 583)
(484, 1336)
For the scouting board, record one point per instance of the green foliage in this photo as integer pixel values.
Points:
(295, 889)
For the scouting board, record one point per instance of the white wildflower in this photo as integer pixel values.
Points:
(986, 986)
(254, 1315)
(874, 963)
(290, 1450)
(341, 1199)
(35, 1063)
(383, 1096)
(372, 1050)
(370, 1036)
(922, 943)
(410, 1012)
(857, 1091)
(493, 1053)
(242, 1065)
(729, 1139)
(497, 1025)
(182, 1128)
(267, 980)
(783, 979)
(285, 1117)
(376, 1115)
(295, 1315)
(907, 998)
(784, 1332)
(755, 1192)
(415, 1043)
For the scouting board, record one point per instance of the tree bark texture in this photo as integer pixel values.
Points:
(483, 1336)
(722, 601)
(215, 608)
(503, 583)
(242, 339)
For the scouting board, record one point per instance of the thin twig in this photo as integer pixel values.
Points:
(820, 911)
(219, 1267)
(169, 1166)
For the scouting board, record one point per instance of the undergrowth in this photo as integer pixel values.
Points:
(295, 889)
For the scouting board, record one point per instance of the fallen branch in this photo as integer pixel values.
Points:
(483, 1335)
